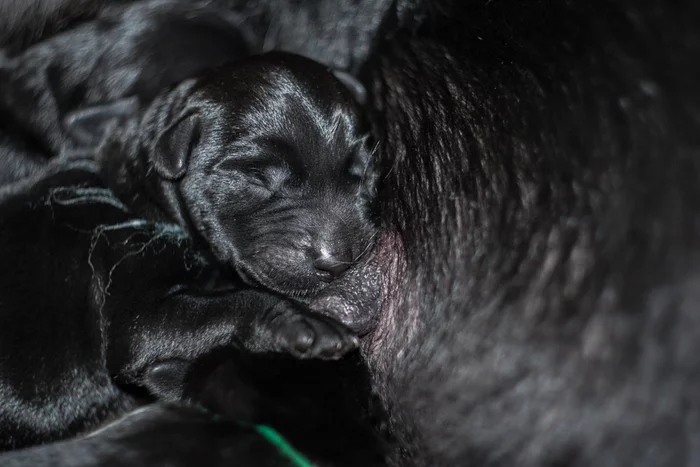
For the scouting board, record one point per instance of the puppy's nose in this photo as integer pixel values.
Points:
(330, 267)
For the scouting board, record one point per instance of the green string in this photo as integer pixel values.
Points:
(271, 435)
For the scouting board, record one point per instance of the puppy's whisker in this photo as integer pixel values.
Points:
(340, 218)
(332, 131)
(369, 245)
(373, 153)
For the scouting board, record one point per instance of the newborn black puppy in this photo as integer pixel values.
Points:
(266, 161)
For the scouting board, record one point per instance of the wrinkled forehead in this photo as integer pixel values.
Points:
(307, 121)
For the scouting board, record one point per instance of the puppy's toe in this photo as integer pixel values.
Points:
(299, 336)
(333, 340)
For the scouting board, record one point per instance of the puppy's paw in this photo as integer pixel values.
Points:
(165, 379)
(305, 334)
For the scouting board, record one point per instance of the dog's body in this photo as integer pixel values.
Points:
(540, 224)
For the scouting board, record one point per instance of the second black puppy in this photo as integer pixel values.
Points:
(126, 55)
(264, 160)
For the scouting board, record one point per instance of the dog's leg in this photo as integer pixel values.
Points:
(188, 325)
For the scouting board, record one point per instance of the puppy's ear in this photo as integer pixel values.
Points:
(353, 85)
(88, 126)
(174, 146)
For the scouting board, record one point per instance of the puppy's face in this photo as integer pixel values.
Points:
(276, 171)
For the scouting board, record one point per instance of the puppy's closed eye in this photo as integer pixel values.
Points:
(271, 177)
(263, 173)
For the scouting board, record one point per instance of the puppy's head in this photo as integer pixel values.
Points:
(271, 160)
